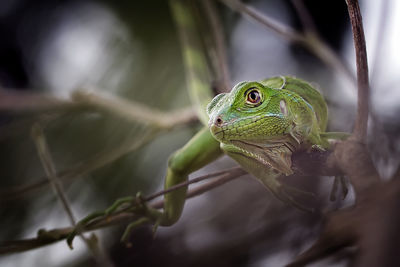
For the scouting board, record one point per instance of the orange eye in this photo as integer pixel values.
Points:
(253, 96)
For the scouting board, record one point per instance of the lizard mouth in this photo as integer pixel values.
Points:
(217, 132)
(272, 153)
(265, 144)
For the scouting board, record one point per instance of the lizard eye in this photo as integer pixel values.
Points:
(253, 96)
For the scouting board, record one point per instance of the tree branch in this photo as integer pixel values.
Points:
(135, 111)
(221, 61)
(48, 237)
(360, 129)
(50, 169)
(304, 163)
(98, 161)
(311, 41)
(357, 225)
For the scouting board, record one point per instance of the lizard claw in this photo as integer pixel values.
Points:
(132, 226)
(119, 204)
(147, 216)
(80, 225)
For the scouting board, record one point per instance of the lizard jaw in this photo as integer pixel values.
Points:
(272, 155)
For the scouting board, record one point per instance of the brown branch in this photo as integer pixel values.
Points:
(281, 29)
(50, 169)
(159, 121)
(81, 169)
(310, 41)
(302, 163)
(357, 225)
(360, 129)
(48, 237)
(191, 181)
(17, 101)
(135, 111)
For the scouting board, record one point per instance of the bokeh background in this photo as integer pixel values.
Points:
(131, 49)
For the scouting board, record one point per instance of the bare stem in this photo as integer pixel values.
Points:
(217, 32)
(310, 41)
(157, 121)
(83, 168)
(277, 27)
(51, 236)
(304, 16)
(191, 181)
(17, 101)
(135, 111)
(49, 167)
(360, 129)
(23, 102)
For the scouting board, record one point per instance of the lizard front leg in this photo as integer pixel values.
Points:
(198, 152)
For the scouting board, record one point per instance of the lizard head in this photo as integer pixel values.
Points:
(253, 121)
(251, 111)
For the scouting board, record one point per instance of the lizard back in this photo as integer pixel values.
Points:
(306, 91)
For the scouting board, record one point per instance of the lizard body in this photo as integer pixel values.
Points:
(260, 124)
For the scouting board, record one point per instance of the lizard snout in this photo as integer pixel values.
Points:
(215, 122)
(215, 125)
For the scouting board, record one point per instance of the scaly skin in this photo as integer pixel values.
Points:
(292, 115)
(282, 110)
(260, 125)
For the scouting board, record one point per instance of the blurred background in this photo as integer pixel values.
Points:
(131, 49)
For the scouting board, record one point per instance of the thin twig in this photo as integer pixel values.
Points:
(135, 111)
(50, 170)
(316, 45)
(305, 17)
(360, 129)
(220, 175)
(355, 226)
(22, 101)
(27, 102)
(217, 32)
(159, 121)
(51, 236)
(279, 28)
(100, 160)
(191, 181)
(310, 41)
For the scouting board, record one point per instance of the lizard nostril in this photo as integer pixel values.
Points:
(218, 121)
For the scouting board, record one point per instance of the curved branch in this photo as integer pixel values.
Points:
(221, 62)
(360, 129)
(51, 236)
(310, 40)
(304, 163)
